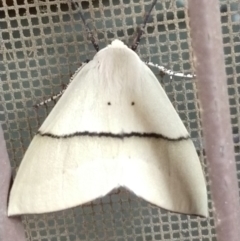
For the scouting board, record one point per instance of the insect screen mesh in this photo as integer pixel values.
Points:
(42, 45)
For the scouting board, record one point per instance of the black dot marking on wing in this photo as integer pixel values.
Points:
(133, 103)
(109, 103)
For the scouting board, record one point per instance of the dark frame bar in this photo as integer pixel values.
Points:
(11, 229)
(205, 25)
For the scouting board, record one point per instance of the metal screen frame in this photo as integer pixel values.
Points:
(212, 91)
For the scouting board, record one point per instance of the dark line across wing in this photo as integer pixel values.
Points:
(113, 135)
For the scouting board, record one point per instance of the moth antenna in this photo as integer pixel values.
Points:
(89, 32)
(137, 39)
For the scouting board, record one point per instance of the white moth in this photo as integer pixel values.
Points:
(114, 126)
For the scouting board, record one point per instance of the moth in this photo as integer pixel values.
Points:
(114, 126)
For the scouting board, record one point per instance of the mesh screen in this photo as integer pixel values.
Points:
(42, 45)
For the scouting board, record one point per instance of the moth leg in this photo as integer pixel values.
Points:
(169, 72)
(64, 86)
(52, 98)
